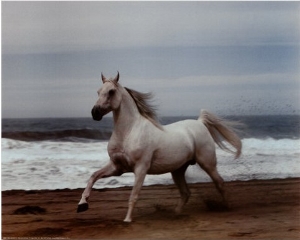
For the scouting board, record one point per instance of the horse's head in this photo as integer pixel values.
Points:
(109, 98)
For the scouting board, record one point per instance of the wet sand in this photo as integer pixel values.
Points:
(267, 209)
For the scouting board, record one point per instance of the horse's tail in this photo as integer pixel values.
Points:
(220, 130)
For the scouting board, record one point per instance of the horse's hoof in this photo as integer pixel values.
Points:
(127, 220)
(82, 207)
(215, 206)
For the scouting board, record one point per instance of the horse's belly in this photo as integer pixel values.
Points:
(176, 146)
(164, 161)
(161, 167)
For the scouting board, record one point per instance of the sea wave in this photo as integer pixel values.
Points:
(72, 135)
(63, 164)
(271, 147)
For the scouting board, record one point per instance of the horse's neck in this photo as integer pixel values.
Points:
(125, 116)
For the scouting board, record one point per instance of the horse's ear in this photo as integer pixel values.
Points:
(116, 79)
(103, 78)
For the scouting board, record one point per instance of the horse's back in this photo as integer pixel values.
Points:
(197, 133)
(192, 134)
(179, 143)
(191, 128)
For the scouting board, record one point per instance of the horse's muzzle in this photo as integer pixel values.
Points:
(97, 113)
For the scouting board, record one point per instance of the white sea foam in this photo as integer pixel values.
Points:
(57, 165)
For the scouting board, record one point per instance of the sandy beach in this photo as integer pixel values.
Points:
(259, 209)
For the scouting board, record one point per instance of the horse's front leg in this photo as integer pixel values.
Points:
(109, 170)
(140, 174)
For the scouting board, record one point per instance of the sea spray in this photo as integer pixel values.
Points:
(56, 165)
(66, 161)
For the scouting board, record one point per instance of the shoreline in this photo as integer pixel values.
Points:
(148, 186)
(264, 209)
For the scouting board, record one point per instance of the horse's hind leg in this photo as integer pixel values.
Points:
(219, 182)
(108, 171)
(179, 180)
(209, 165)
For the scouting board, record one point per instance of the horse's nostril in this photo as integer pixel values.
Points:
(96, 113)
(93, 110)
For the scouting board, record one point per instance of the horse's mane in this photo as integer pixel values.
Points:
(145, 108)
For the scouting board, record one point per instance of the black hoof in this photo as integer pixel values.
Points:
(215, 206)
(82, 207)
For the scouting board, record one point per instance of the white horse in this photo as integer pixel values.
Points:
(139, 144)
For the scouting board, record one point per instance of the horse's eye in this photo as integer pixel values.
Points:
(111, 92)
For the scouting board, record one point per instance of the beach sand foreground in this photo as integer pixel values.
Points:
(259, 209)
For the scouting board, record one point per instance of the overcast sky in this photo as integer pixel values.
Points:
(228, 57)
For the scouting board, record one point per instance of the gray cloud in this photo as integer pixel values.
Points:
(229, 57)
(68, 26)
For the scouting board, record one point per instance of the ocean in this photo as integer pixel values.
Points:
(63, 153)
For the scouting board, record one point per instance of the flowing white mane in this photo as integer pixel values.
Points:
(145, 108)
